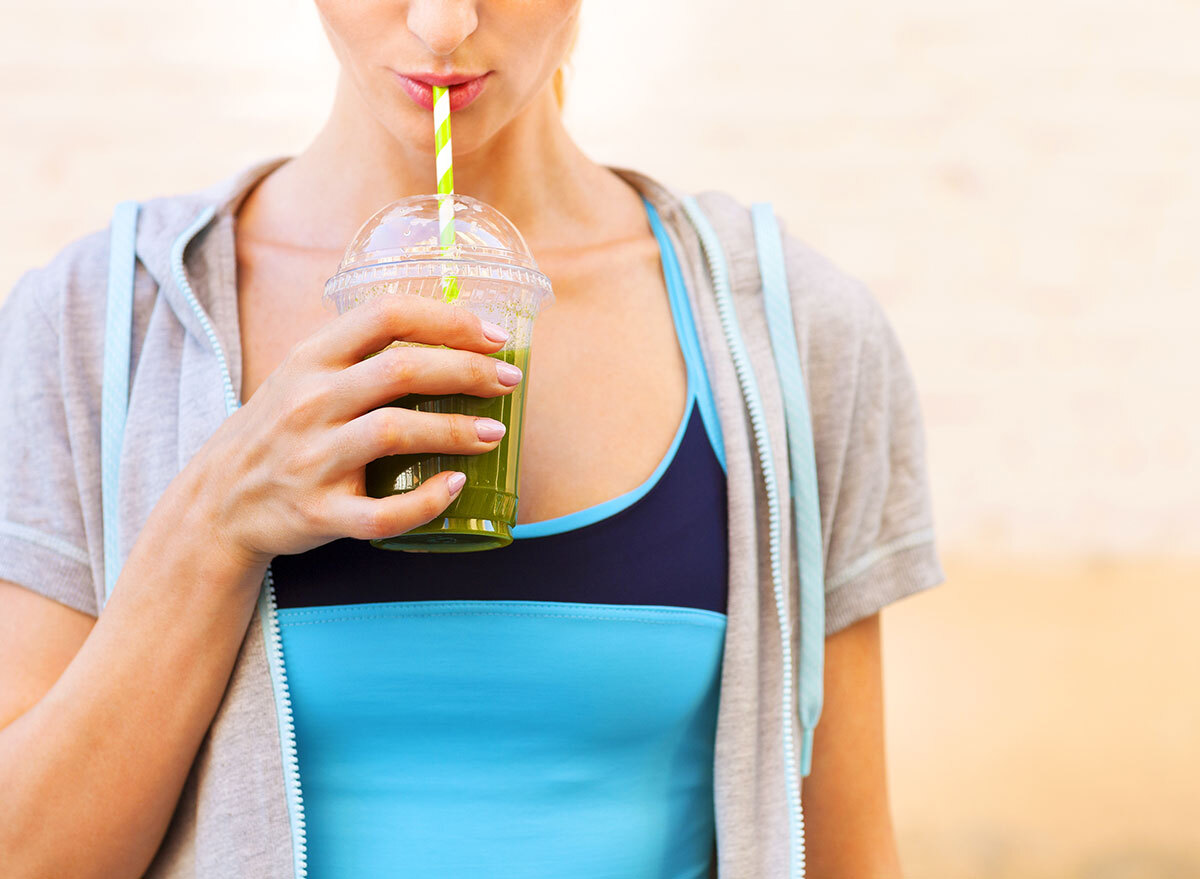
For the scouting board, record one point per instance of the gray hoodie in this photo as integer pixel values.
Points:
(241, 810)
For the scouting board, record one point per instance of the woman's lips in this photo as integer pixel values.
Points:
(463, 89)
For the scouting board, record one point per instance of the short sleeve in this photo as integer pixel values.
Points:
(43, 544)
(872, 478)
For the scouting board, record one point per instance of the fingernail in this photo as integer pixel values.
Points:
(489, 429)
(493, 332)
(455, 482)
(508, 374)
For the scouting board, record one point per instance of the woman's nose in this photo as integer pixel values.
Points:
(442, 25)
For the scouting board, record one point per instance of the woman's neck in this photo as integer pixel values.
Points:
(531, 171)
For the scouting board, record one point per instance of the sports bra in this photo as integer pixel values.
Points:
(548, 708)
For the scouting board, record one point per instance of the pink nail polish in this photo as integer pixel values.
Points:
(455, 482)
(508, 374)
(489, 429)
(493, 332)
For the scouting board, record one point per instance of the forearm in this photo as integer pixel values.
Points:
(91, 774)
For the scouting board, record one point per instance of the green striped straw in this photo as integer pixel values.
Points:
(445, 180)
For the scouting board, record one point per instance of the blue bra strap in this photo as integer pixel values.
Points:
(803, 467)
(114, 393)
(689, 341)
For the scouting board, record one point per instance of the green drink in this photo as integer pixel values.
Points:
(399, 252)
(484, 511)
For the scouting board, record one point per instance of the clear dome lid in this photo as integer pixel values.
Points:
(402, 241)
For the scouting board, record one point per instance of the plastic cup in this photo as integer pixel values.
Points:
(398, 251)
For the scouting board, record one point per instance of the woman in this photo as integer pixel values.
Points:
(141, 740)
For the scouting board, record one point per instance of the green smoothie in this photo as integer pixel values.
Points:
(482, 515)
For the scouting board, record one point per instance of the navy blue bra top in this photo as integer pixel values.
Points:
(663, 543)
(544, 709)
(668, 547)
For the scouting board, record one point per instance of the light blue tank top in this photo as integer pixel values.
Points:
(514, 739)
(508, 740)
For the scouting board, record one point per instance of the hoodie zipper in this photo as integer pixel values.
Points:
(267, 607)
(741, 362)
(268, 613)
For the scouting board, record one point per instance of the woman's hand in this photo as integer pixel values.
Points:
(284, 473)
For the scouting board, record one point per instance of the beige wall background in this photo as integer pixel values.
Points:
(1019, 184)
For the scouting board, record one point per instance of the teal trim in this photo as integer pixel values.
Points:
(645, 613)
(46, 541)
(114, 390)
(599, 512)
(806, 510)
(711, 246)
(689, 340)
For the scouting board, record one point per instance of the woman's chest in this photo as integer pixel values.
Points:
(606, 386)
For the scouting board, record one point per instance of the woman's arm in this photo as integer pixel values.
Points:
(102, 718)
(38, 639)
(848, 823)
(100, 723)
